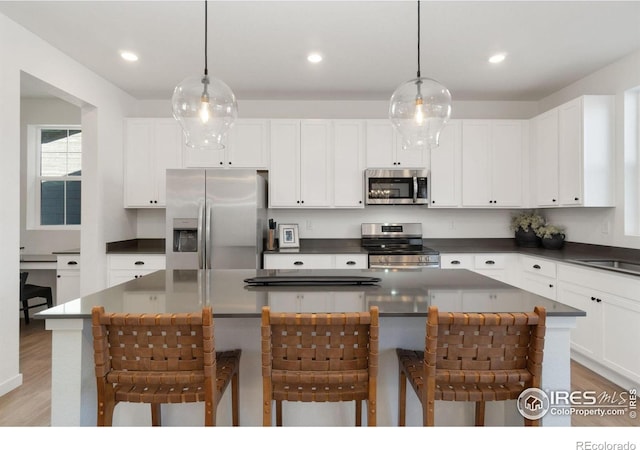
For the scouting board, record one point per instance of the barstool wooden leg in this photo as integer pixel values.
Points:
(402, 398)
(156, 415)
(480, 414)
(278, 413)
(358, 413)
(235, 399)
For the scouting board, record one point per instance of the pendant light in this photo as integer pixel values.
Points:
(420, 108)
(204, 106)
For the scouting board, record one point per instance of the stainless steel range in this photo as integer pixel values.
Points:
(397, 245)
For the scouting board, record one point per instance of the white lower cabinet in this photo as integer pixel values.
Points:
(609, 332)
(122, 268)
(315, 261)
(67, 278)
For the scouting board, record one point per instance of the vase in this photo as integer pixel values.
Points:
(555, 242)
(527, 238)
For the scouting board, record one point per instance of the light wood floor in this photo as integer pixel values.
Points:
(30, 404)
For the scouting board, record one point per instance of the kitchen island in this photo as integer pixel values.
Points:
(403, 298)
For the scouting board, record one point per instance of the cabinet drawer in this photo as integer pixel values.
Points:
(352, 261)
(298, 261)
(137, 262)
(68, 262)
(456, 261)
(539, 266)
(489, 261)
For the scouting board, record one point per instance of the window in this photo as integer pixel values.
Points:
(57, 180)
(631, 162)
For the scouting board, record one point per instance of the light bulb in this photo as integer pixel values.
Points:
(204, 108)
(419, 114)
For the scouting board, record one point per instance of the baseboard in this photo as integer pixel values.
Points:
(10, 384)
(603, 371)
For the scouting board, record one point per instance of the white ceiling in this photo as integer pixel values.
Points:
(259, 48)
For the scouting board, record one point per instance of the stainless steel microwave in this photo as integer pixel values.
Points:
(397, 187)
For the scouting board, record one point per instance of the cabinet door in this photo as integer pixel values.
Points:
(570, 157)
(151, 147)
(248, 144)
(67, 286)
(140, 185)
(620, 319)
(586, 337)
(381, 144)
(476, 163)
(348, 164)
(315, 163)
(284, 174)
(445, 167)
(506, 163)
(546, 158)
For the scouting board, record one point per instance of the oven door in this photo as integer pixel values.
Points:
(386, 187)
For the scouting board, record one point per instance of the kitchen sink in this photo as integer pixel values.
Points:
(617, 265)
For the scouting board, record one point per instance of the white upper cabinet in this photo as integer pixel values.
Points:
(574, 153)
(446, 168)
(151, 147)
(348, 163)
(492, 155)
(301, 171)
(384, 148)
(316, 164)
(246, 146)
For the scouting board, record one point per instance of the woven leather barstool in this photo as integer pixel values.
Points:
(473, 357)
(319, 358)
(161, 358)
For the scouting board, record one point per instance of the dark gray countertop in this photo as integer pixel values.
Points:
(406, 293)
(570, 251)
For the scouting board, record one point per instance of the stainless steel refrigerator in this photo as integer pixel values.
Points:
(215, 218)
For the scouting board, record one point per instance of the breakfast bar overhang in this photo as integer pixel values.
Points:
(402, 297)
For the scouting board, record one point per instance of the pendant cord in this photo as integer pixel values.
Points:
(206, 71)
(418, 38)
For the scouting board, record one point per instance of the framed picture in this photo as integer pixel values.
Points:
(288, 235)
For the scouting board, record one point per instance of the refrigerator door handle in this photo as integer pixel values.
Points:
(201, 236)
(208, 238)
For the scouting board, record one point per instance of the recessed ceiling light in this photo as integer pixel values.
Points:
(497, 58)
(129, 56)
(314, 58)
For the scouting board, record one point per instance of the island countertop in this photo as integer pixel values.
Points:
(406, 293)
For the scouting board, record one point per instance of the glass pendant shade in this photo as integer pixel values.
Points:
(418, 111)
(206, 108)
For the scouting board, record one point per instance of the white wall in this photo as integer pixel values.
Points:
(43, 111)
(103, 218)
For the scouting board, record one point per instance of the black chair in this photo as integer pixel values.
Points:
(29, 291)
